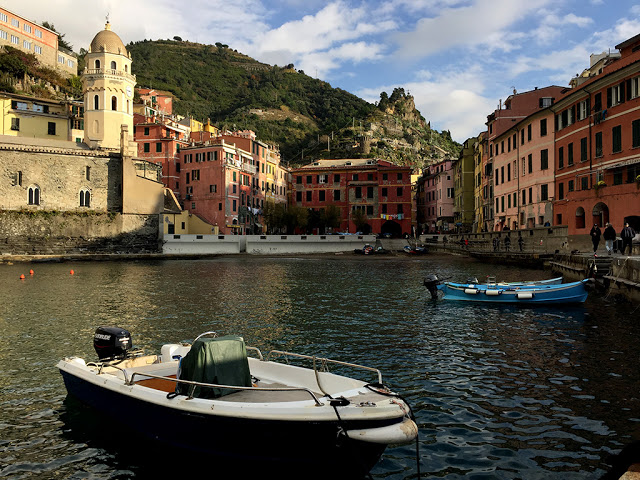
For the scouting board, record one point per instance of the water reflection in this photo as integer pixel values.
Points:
(499, 392)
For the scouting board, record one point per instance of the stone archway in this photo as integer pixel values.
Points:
(392, 228)
(600, 214)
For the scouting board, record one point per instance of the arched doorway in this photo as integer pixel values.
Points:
(580, 217)
(365, 229)
(392, 228)
(600, 214)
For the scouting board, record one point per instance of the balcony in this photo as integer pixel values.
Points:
(109, 71)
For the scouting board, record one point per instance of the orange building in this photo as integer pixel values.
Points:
(596, 146)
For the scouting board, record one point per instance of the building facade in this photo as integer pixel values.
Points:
(597, 173)
(23, 34)
(379, 190)
(436, 196)
(463, 180)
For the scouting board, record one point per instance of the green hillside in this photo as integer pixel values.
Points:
(280, 104)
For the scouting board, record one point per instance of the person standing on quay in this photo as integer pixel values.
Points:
(595, 238)
(627, 235)
(609, 236)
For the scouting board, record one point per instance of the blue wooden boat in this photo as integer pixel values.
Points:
(575, 292)
(549, 281)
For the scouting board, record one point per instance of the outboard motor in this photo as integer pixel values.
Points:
(111, 342)
(431, 282)
(472, 280)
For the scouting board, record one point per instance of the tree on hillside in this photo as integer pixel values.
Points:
(61, 41)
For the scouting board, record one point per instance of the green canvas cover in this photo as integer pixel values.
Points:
(221, 360)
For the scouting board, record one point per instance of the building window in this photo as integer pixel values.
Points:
(336, 178)
(96, 102)
(530, 195)
(384, 191)
(87, 173)
(583, 109)
(544, 159)
(324, 178)
(15, 22)
(570, 186)
(584, 183)
(26, 45)
(147, 147)
(561, 157)
(524, 197)
(298, 196)
(358, 192)
(51, 128)
(336, 194)
(97, 64)
(522, 137)
(38, 33)
(299, 180)
(616, 134)
(3, 17)
(369, 192)
(4, 35)
(15, 124)
(158, 146)
(15, 40)
(113, 65)
(615, 95)
(635, 133)
(37, 49)
(355, 177)
(543, 127)
(544, 192)
(26, 28)
(114, 103)
(530, 163)
(308, 195)
(321, 196)
(560, 191)
(85, 198)
(399, 192)
(570, 154)
(400, 208)
(213, 188)
(583, 149)
(235, 205)
(34, 195)
(599, 150)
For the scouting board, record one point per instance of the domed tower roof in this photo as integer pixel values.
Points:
(108, 42)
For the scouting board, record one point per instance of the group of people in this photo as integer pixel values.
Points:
(610, 235)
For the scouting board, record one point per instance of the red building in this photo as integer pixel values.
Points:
(597, 138)
(379, 189)
(159, 140)
(156, 99)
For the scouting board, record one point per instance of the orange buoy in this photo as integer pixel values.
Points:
(30, 272)
(22, 277)
(72, 272)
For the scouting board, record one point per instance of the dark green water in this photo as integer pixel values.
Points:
(499, 392)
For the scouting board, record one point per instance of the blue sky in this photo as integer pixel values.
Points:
(458, 58)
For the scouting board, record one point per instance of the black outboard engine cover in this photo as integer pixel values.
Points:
(431, 282)
(111, 342)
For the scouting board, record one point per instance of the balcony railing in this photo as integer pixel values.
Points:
(109, 71)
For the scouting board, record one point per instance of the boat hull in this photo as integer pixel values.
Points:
(568, 293)
(288, 445)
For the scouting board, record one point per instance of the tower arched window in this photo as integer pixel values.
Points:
(126, 68)
(85, 198)
(114, 103)
(113, 65)
(96, 102)
(97, 63)
(34, 195)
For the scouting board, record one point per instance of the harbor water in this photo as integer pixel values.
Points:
(499, 392)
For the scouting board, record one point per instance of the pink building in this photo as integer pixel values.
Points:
(521, 155)
(436, 197)
(156, 99)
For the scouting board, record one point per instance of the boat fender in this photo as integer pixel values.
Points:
(492, 292)
(471, 291)
(525, 295)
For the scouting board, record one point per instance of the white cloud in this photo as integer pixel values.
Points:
(484, 22)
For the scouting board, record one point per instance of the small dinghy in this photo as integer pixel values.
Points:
(212, 397)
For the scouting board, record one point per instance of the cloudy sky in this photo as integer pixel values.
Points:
(458, 58)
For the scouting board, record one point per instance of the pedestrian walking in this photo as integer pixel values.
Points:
(496, 244)
(627, 235)
(520, 242)
(507, 243)
(595, 238)
(609, 236)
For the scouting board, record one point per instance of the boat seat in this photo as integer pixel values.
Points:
(158, 384)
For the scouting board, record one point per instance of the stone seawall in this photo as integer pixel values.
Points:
(45, 232)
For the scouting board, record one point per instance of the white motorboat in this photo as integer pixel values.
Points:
(212, 397)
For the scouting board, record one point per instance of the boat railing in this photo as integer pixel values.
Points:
(323, 361)
(131, 381)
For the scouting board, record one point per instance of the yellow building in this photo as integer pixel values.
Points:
(31, 117)
(479, 151)
(107, 85)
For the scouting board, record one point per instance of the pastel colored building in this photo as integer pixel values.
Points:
(25, 116)
(463, 182)
(435, 198)
(597, 175)
(160, 101)
(521, 156)
(377, 188)
(159, 139)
